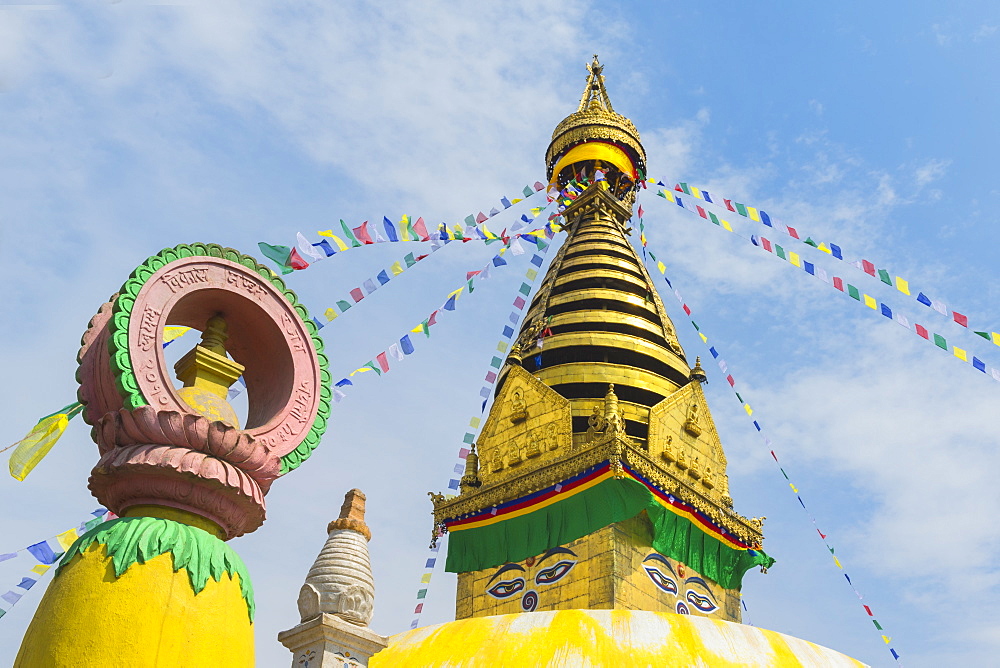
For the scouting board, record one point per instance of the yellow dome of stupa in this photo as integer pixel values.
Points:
(619, 638)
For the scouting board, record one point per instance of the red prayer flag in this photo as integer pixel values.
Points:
(963, 320)
(361, 232)
(481, 218)
(417, 610)
(868, 267)
(357, 295)
(383, 362)
(420, 257)
(701, 212)
(539, 186)
(838, 283)
(792, 232)
(867, 609)
(732, 382)
(470, 274)
(420, 229)
(295, 260)
(729, 205)
(921, 330)
(433, 319)
(821, 534)
(640, 211)
(686, 309)
(766, 244)
(774, 455)
(463, 453)
(678, 188)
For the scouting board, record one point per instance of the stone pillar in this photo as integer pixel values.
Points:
(337, 599)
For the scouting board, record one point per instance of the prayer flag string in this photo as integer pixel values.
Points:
(841, 285)
(291, 258)
(727, 372)
(834, 250)
(46, 553)
(468, 439)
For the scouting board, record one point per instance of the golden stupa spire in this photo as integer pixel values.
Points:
(595, 95)
(599, 447)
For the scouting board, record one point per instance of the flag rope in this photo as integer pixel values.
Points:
(842, 286)
(468, 440)
(833, 250)
(724, 369)
(46, 556)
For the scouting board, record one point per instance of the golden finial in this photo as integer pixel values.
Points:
(595, 96)
(697, 373)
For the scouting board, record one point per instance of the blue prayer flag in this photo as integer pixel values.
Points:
(978, 363)
(26, 583)
(452, 484)
(390, 229)
(525, 218)
(506, 202)
(430, 563)
(383, 277)
(484, 393)
(753, 240)
(536, 260)
(764, 218)
(835, 249)
(325, 246)
(42, 552)
(923, 299)
(319, 325)
(9, 555)
(450, 304)
(405, 345)
(508, 331)
(344, 382)
(886, 311)
(715, 353)
(498, 261)
(704, 193)
(809, 267)
(11, 597)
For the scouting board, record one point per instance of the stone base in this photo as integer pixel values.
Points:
(327, 641)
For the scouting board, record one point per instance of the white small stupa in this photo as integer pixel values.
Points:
(337, 599)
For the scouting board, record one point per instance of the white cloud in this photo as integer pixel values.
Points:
(930, 171)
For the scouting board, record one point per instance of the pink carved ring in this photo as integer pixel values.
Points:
(270, 333)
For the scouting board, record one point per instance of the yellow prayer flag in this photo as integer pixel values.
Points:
(667, 195)
(725, 224)
(996, 338)
(337, 240)
(662, 267)
(535, 211)
(404, 234)
(40, 569)
(425, 578)
(887, 639)
(747, 408)
(330, 314)
(793, 257)
(36, 444)
(696, 192)
(516, 200)
(823, 247)
(704, 339)
(365, 368)
(753, 213)
(418, 329)
(396, 268)
(837, 561)
(67, 538)
(902, 285)
(960, 354)
(870, 302)
(502, 347)
(474, 422)
(530, 274)
(489, 235)
(458, 230)
(171, 332)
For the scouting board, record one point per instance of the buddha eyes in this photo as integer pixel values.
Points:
(554, 573)
(660, 580)
(702, 603)
(506, 588)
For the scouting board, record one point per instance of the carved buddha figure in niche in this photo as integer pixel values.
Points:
(518, 411)
(691, 425)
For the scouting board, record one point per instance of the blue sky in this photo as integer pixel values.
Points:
(127, 128)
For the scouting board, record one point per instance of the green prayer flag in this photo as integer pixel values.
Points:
(496, 362)
(714, 218)
(470, 285)
(780, 252)
(877, 625)
(542, 245)
(740, 209)
(409, 259)
(685, 188)
(809, 241)
(279, 254)
(470, 220)
(527, 192)
(344, 305)
(427, 329)
(853, 292)
(884, 275)
(525, 289)
(940, 342)
(374, 367)
(985, 335)
(422, 594)
(349, 234)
